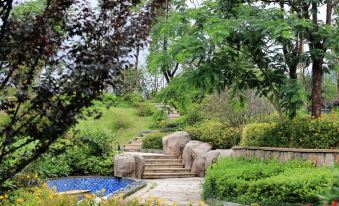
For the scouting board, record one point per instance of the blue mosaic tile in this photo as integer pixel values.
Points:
(93, 184)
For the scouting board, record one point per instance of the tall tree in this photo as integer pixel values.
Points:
(159, 58)
(256, 45)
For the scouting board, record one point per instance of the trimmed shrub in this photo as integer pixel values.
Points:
(266, 182)
(153, 140)
(302, 132)
(218, 134)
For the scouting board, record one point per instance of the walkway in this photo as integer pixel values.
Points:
(175, 191)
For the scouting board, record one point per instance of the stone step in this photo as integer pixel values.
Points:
(131, 146)
(139, 138)
(173, 116)
(166, 170)
(138, 141)
(135, 143)
(163, 161)
(167, 175)
(131, 150)
(151, 156)
(164, 165)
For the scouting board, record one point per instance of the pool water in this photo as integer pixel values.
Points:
(93, 184)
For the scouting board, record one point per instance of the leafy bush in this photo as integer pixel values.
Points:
(215, 133)
(257, 134)
(145, 109)
(266, 182)
(333, 193)
(302, 132)
(193, 116)
(133, 98)
(159, 117)
(153, 140)
(221, 106)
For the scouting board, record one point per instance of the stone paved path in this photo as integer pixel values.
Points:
(175, 191)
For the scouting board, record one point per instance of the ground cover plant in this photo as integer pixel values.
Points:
(266, 182)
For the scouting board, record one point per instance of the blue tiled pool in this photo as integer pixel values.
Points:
(93, 184)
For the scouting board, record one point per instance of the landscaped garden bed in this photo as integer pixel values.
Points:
(267, 182)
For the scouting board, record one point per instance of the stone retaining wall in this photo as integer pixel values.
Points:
(321, 157)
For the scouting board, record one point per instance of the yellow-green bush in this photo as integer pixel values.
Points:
(220, 135)
(153, 140)
(301, 132)
(256, 134)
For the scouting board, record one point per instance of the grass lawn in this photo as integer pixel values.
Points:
(121, 124)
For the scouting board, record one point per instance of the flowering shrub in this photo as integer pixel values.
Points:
(301, 132)
(42, 196)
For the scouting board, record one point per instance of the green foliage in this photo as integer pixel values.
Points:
(333, 193)
(153, 140)
(3, 118)
(221, 106)
(256, 134)
(266, 182)
(133, 99)
(329, 88)
(145, 109)
(159, 117)
(180, 93)
(221, 136)
(301, 132)
(238, 45)
(29, 9)
(88, 149)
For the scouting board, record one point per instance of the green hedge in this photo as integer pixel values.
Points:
(302, 132)
(218, 134)
(153, 140)
(266, 182)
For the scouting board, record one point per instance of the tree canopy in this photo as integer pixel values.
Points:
(257, 45)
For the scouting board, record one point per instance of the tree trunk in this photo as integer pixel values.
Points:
(317, 77)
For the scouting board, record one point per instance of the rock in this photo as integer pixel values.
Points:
(198, 165)
(145, 132)
(213, 155)
(226, 152)
(129, 165)
(194, 156)
(174, 143)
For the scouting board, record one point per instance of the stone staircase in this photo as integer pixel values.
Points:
(159, 166)
(134, 145)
